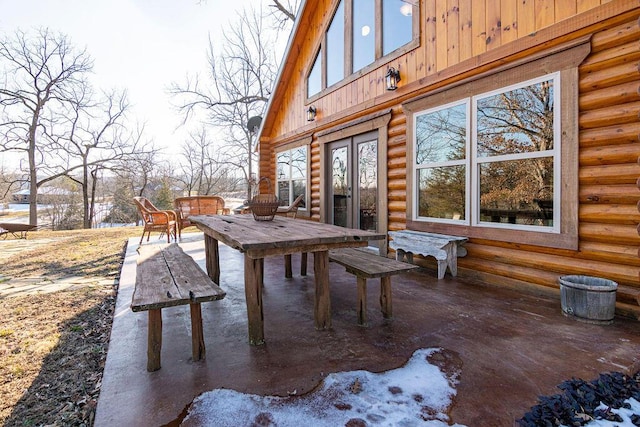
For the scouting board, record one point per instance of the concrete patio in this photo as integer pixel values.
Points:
(510, 348)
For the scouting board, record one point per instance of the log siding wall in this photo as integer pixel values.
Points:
(609, 129)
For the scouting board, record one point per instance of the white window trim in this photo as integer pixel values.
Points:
(465, 162)
(472, 162)
(290, 179)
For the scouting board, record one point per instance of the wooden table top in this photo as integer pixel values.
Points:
(282, 235)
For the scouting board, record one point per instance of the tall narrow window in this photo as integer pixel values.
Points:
(364, 39)
(291, 174)
(441, 158)
(314, 81)
(335, 47)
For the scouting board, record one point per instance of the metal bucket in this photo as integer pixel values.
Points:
(588, 299)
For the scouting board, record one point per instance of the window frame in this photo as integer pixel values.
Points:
(465, 162)
(563, 59)
(380, 59)
(555, 154)
(289, 148)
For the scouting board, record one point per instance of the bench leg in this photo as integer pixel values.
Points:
(386, 305)
(303, 264)
(197, 336)
(288, 271)
(452, 258)
(361, 311)
(442, 268)
(154, 340)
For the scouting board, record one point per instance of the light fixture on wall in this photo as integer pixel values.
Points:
(392, 78)
(311, 113)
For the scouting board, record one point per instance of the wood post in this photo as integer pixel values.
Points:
(385, 297)
(154, 339)
(198, 349)
(288, 271)
(253, 294)
(212, 258)
(303, 264)
(361, 310)
(322, 303)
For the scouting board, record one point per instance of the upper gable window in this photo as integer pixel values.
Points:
(360, 33)
(397, 17)
(335, 47)
(314, 82)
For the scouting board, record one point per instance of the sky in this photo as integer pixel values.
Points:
(140, 45)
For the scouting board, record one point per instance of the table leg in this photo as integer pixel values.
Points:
(253, 294)
(322, 307)
(212, 258)
(386, 304)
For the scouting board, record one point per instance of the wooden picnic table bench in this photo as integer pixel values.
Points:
(367, 265)
(444, 248)
(165, 277)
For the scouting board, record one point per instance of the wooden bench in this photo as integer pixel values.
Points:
(367, 265)
(444, 248)
(167, 277)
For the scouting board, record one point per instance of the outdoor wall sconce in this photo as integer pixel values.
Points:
(311, 113)
(392, 78)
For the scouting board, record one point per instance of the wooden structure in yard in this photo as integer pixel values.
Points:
(442, 152)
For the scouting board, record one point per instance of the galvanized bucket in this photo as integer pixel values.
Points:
(588, 299)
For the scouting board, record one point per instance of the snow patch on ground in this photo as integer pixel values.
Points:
(417, 393)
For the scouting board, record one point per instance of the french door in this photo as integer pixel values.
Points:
(353, 182)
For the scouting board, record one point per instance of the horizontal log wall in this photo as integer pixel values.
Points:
(608, 176)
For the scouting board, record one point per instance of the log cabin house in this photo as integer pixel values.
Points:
(514, 123)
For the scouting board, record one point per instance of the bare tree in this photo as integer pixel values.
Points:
(241, 77)
(97, 140)
(41, 73)
(202, 171)
(284, 12)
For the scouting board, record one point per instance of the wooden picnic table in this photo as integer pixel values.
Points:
(281, 236)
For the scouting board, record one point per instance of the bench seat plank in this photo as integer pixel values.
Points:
(177, 279)
(368, 265)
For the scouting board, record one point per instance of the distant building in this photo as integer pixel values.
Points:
(45, 195)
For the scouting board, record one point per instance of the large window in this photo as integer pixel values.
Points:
(492, 159)
(291, 175)
(360, 33)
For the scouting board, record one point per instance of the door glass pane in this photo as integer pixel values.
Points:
(441, 192)
(340, 185)
(335, 47)
(364, 40)
(367, 185)
(397, 24)
(517, 192)
(516, 121)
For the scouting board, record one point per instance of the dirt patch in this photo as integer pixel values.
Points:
(53, 346)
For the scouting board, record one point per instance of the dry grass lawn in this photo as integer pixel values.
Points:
(53, 346)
